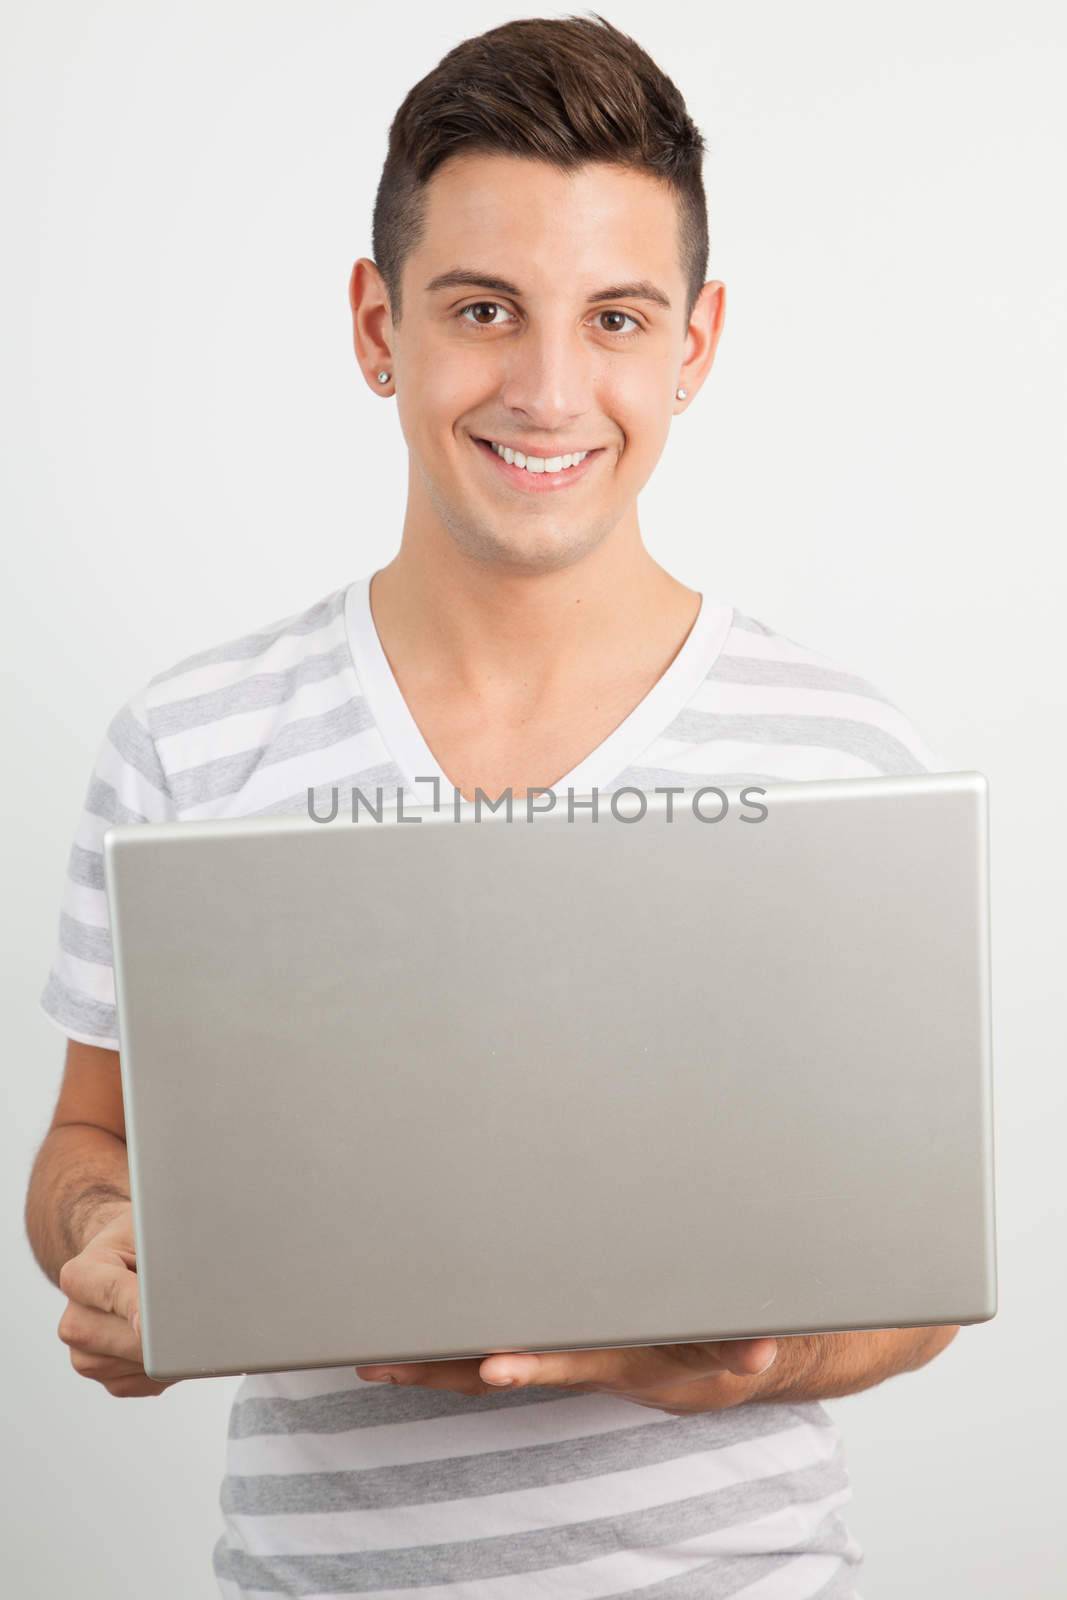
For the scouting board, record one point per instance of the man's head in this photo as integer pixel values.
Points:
(540, 241)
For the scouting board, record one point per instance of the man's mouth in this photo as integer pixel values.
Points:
(538, 473)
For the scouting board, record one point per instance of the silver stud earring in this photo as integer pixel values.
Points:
(383, 377)
(681, 393)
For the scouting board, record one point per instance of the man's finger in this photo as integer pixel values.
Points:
(632, 1368)
(104, 1368)
(101, 1280)
(84, 1328)
(136, 1385)
(460, 1375)
(567, 1368)
(747, 1357)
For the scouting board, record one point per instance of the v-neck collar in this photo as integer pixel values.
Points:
(404, 740)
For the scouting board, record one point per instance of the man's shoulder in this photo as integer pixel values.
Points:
(282, 646)
(203, 728)
(790, 660)
(794, 694)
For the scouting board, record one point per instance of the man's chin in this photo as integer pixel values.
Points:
(543, 547)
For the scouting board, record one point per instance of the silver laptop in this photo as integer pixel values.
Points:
(447, 1083)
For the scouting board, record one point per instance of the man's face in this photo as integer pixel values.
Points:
(538, 366)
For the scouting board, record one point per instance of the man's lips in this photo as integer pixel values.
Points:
(537, 482)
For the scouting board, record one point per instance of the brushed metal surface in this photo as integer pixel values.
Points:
(414, 1090)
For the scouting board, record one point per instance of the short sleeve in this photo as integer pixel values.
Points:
(127, 784)
(928, 758)
(850, 713)
(899, 746)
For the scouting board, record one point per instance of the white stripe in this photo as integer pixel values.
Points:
(792, 762)
(801, 1577)
(89, 833)
(626, 1570)
(445, 1438)
(90, 978)
(284, 653)
(85, 904)
(248, 730)
(762, 700)
(611, 1494)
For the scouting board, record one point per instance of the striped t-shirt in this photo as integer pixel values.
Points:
(335, 1486)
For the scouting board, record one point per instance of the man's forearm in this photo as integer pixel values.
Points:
(80, 1178)
(828, 1365)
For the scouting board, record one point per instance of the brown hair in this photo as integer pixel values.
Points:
(567, 91)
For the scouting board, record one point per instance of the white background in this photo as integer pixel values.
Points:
(875, 468)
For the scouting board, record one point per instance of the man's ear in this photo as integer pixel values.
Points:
(702, 336)
(368, 300)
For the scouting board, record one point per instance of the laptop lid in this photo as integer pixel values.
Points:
(422, 1088)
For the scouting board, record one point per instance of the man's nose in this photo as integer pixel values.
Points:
(549, 377)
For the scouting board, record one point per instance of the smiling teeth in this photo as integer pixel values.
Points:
(515, 458)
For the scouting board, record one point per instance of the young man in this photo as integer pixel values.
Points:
(539, 313)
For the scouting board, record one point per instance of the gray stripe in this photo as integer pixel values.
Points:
(382, 1405)
(73, 1010)
(532, 1466)
(792, 675)
(83, 940)
(507, 1555)
(102, 801)
(374, 1405)
(137, 748)
(386, 776)
(254, 644)
(847, 734)
(86, 867)
(251, 693)
(213, 780)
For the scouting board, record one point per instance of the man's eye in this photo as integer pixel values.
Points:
(494, 306)
(626, 317)
(483, 305)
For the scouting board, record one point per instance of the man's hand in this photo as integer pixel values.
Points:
(101, 1323)
(678, 1378)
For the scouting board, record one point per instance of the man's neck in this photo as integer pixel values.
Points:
(515, 642)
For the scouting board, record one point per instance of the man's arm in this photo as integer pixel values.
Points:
(80, 1178)
(80, 1225)
(826, 1366)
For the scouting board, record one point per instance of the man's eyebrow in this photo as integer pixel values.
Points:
(462, 278)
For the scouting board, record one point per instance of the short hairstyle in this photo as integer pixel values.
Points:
(566, 91)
